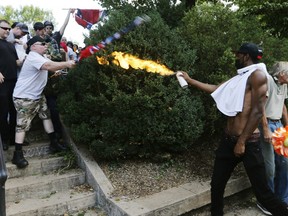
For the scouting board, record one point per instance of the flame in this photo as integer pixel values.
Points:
(126, 61)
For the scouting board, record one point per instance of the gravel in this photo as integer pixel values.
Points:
(137, 178)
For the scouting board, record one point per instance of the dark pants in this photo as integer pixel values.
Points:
(224, 164)
(55, 117)
(7, 111)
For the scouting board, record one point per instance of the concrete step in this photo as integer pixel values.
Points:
(89, 212)
(46, 187)
(35, 149)
(37, 165)
(59, 203)
(42, 186)
(174, 201)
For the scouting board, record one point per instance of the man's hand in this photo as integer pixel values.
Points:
(239, 149)
(71, 63)
(1, 78)
(18, 41)
(184, 75)
(267, 135)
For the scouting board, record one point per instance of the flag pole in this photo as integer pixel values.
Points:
(90, 50)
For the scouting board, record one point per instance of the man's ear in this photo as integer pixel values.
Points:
(247, 57)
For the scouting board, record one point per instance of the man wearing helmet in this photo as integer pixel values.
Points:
(49, 28)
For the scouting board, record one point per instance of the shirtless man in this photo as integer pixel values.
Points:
(242, 100)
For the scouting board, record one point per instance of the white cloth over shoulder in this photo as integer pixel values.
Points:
(229, 96)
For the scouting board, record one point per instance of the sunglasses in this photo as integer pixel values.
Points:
(49, 28)
(5, 28)
(41, 44)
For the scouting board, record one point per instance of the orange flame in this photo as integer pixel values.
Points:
(126, 61)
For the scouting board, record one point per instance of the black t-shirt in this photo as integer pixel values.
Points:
(57, 36)
(8, 57)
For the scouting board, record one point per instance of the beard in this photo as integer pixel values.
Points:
(239, 64)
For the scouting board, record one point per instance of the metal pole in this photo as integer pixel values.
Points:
(3, 178)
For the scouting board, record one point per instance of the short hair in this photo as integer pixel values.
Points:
(14, 24)
(69, 43)
(278, 67)
(5, 21)
(38, 26)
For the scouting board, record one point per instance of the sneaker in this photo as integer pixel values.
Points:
(263, 209)
(56, 147)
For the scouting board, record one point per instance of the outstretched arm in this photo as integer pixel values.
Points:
(62, 29)
(209, 88)
(54, 66)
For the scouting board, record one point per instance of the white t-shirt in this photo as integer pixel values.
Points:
(71, 54)
(21, 52)
(31, 80)
(276, 96)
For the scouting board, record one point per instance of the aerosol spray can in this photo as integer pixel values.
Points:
(181, 80)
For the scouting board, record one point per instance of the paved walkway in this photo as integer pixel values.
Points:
(240, 204)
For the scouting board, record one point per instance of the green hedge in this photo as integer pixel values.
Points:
(122, 113)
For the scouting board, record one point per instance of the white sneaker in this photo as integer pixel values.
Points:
(263, 209)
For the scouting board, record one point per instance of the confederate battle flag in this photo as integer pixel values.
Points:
(88, 17)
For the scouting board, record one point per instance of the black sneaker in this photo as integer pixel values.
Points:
(263, 209)
(19, 160)
(56, 147)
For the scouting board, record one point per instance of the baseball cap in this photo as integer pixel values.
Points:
(23, 27)
(38, 26)
(32, 41)
(252, 49)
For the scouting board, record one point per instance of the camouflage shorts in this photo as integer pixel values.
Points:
(27, 110)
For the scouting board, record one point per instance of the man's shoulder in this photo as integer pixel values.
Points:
(257, 77)
(5, 45)
(56, 34)
(259, 72)
(10, 38)
(34, 57)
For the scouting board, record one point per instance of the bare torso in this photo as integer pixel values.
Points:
(235, 125)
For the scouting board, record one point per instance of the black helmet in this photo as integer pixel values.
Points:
(48, 23)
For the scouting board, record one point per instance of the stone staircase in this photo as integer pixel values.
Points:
(49, 185)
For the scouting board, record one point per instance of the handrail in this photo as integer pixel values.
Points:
(3, 178)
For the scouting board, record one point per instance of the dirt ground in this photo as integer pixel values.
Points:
(133, 178)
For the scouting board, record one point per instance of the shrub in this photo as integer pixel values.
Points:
(126, 113)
